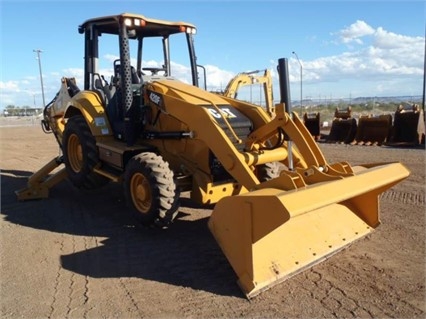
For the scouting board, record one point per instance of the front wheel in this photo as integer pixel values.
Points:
(268, 171)
(150, 190)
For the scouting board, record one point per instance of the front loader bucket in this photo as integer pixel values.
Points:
(271, 234)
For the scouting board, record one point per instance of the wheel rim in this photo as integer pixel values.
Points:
(141, 193)
(75, 153)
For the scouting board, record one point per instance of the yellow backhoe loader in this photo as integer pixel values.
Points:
(158, 136)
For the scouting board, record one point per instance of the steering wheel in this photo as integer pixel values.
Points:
(154, 71)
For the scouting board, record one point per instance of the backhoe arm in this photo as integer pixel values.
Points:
(248, 78)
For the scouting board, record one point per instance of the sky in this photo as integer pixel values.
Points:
(345, 49)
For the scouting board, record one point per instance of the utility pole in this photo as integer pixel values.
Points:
(38, 51)
(301, 82)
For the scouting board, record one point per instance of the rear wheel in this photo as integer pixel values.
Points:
(81, 154)
(150, 190)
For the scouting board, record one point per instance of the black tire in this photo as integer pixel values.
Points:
(268, 171)
(174, 210)
(81, 154)
(150, 190)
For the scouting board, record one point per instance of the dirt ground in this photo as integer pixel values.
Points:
(79, 255)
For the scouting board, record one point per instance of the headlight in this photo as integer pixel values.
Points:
(134, 22)
(191, 30)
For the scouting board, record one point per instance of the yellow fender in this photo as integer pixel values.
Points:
(90, 105)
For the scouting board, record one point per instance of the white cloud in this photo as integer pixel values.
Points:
(73, 72)
(355, 32)
(111, 57)
(9, 86)
(10, 90)
(390, 40)
(217, 79)
(381, 62)
(388, 54)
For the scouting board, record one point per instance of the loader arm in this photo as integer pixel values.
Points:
(275, 229)
(302, 217)
(294, 128)
(185, 103)
(187, 109)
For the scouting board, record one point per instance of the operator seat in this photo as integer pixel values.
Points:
(135, 77)
(99, 88)
(114, 111)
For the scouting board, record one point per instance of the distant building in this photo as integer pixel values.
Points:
(29, 111)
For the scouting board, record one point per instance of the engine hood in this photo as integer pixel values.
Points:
(187, 92)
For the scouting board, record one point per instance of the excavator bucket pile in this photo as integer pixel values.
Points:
(312, 123)
(287, 224)
(408, 126)
(343, 127)
(373, 130)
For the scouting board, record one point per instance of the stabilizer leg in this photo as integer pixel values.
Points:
(40, 182)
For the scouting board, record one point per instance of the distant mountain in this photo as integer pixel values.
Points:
(387, 99)
(363, 99)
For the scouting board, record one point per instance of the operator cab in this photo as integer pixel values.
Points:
(141, 41)
(142, 55)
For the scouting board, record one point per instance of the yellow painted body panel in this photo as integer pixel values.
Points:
(87, 103)
(90, 105)
(182, 102)
(40, 182)
(182, 111)
(270, 234)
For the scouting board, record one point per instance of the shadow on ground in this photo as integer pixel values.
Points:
(184, 255)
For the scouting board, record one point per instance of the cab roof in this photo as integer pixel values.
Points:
(142, 25)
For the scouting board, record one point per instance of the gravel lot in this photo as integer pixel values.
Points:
(79, 255)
